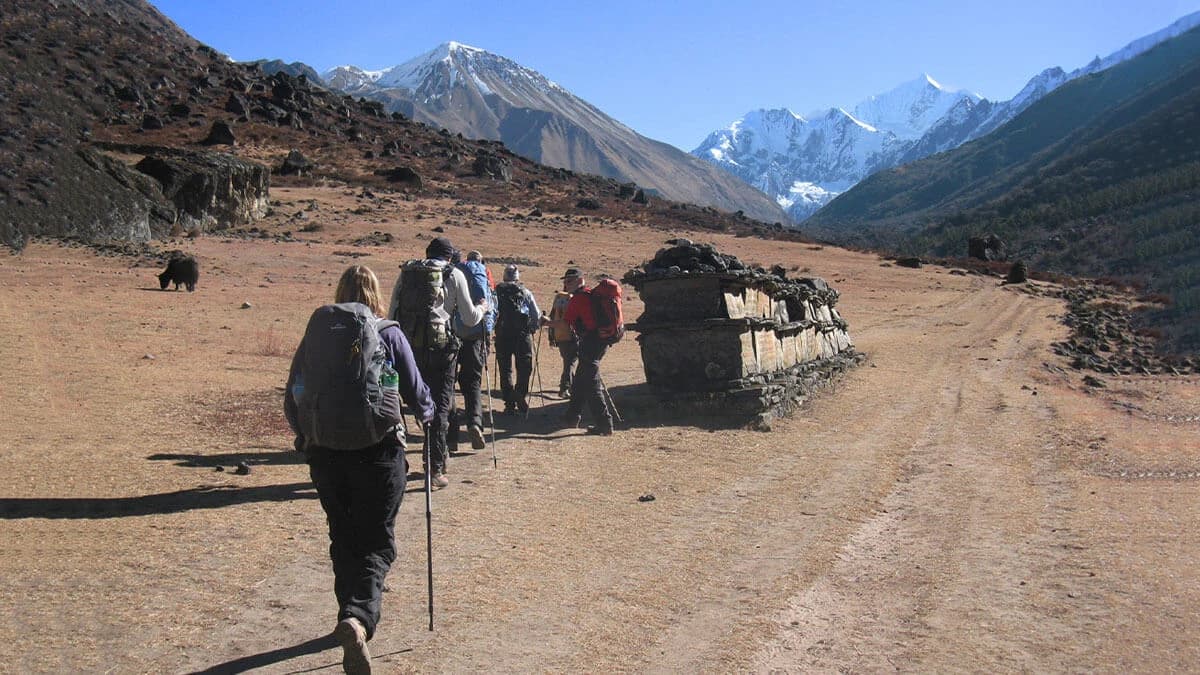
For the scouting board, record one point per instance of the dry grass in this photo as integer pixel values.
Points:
(270, 343)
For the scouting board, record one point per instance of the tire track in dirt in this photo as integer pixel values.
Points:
(969, 549)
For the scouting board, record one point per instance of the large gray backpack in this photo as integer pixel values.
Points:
(339, 389)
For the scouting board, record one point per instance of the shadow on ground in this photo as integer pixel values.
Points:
(268, 456)
(313, 646)
(209, 497)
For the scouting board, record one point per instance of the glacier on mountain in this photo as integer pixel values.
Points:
(803, 162)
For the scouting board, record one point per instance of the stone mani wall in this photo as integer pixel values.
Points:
(703, 333)
(730, 343)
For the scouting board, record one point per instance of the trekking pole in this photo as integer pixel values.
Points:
(609, 400)
(491, 417)
(428, 521)
(533, 378)
(537, 370)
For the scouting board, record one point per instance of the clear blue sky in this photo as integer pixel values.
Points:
(676, 70)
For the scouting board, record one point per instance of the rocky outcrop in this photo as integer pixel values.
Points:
(1105, 335)
(220, 134)
(210, 191)
(401, 174)
(490, 165)
(295, 164)
(107, 201)
(989, 247)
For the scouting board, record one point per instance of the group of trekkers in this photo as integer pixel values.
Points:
(361, 362)
(449, 333)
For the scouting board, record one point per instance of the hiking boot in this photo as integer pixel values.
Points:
(476, 433)
(439, 481)
(599, 431)
(564, 393)
(352, 635)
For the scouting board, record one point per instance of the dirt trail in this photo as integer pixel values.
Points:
(957, 503)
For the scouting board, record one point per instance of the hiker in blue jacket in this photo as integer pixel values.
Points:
(473, 354)
(517, 321)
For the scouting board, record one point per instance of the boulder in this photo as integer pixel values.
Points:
(588, 203)
(490, 165)
(235, 104)
(220, 134)
(151, 122)
(210, 190)
(401, 174)
(1017, 274)
(909, 261)
(129, 93)
(989, 247)
(283, 91)
(295, 164)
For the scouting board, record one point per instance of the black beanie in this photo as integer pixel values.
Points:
(439, 248)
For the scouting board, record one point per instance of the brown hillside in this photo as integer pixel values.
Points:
(118, 76)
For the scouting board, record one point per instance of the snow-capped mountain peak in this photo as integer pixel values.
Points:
(911, 108)
(1039, 85)
(349, 78)
(453, 46)
(437, 72)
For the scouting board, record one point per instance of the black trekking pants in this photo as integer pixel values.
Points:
(437, 369)
(587, 389)
(518, 348)
(360, 491)
(472, 357)
(570, 354)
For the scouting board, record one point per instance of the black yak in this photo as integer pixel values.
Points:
(180, 270)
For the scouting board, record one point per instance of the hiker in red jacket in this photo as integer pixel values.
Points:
(586, 387)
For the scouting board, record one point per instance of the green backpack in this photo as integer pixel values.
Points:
(421, 309)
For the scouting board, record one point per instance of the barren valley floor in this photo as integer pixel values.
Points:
(958, 503)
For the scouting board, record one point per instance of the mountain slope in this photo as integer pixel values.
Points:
(990, 166)
(483, 95)
(88, 88)
(923, 118)
(1124, 201)
(1074, 184)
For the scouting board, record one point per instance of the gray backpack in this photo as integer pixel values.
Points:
(346, 392)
